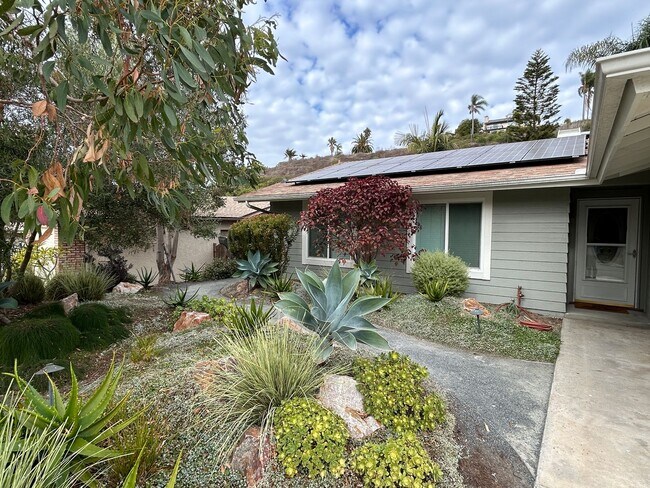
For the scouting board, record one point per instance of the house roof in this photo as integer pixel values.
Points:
(540, 175)
(233, 210)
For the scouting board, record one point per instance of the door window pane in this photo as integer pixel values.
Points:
(432, 234)
(317, 244)
(605, 263)
(465, 232)
(607, 225)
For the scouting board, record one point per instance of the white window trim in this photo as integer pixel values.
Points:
(485, 198)
(310, 260)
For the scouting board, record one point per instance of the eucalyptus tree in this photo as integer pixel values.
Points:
(435, 137)
(476, 105)
(126, 87)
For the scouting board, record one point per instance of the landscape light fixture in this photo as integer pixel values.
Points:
(477, 312)
(49, 369)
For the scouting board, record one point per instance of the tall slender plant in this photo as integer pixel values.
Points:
(476, 105)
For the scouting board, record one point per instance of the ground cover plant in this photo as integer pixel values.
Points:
(447, 323)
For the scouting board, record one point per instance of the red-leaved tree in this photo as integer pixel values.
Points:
(365, 218)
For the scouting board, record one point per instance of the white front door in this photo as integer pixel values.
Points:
(607, 251)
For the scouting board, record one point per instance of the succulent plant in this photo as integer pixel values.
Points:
(256, 269)
(331, 315)
(146, 277)
(369, 272)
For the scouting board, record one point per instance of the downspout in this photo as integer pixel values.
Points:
(253, 207)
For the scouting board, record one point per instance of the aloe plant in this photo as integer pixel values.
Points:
(87, 423)
(331, 315)
(256, 269)
(146, 277)
(369, 272)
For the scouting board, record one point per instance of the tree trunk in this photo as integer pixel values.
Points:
(28, 254)
(471, 129)
(164, 273)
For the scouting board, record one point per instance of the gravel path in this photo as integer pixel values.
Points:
(500, 404)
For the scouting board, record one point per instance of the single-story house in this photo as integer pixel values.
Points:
(195, 249)
(566, 219)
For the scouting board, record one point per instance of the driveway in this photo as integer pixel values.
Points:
(500, 404)
(598, 424)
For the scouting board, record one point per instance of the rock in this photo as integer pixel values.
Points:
(204, 370)
(189, 320)
(251, 457)
(472, 304)
(70, 303)
(340, 395)
(125, 287)
(295, 326)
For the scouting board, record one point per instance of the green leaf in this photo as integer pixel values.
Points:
(84, 448)
(6, 6)
(101, 85)
(170, 115)
(61, 95)
(205, 55)
(193, 60)
(5, 209)
(371, 338)
(131, 479)
(48, 67)
(130, 111)
(26, 31)
(187, 38)
(174, 475)
(152, 16)
(17, 21)
(184, 75)
(23, 209)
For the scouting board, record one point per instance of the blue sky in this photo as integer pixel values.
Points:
(381, 63)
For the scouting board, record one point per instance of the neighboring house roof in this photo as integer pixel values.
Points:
(544, 175)
(233, 210)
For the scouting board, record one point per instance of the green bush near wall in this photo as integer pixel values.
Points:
(440, 267)
(270, 234)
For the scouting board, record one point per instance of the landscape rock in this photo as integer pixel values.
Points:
(340, 395)
(189, 320)
(251, 457)
(472, 304)
(204, 370)
(295, 326)
(125, 287)
(69, 303)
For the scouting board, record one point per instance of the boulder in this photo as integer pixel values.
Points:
(251, 457)
(472, 304)
(295, 326)
(204, 370)
(340, 395)
(69, 303)
(189, 320)
(125, 287)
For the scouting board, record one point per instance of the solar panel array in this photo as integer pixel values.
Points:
(500, 154)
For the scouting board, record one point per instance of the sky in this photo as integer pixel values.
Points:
(380, 64)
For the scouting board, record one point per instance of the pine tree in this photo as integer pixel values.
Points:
(536, 105)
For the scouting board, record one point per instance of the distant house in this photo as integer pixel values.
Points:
(196, 250)
(565, 220)
(497, 125)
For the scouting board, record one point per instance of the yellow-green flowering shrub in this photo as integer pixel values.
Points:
(310, 438)
(392, 390)
(399, 462)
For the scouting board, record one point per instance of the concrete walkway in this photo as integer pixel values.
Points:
(500, 402)
(598, 423)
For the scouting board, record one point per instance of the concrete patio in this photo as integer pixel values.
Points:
(597, 429)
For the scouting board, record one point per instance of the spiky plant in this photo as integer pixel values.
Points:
(256, 269)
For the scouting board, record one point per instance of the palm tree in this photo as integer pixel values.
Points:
(339, 149)
(303, 155)
(586, 91)
(435, 138)
(331, 142)
(362, 142)
(290, 154)
(476, 105)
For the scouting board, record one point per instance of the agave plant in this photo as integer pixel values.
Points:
(369, 272)
(87, 423)
(146, 277)
(180, 297)
(256, 269)
(331, 315)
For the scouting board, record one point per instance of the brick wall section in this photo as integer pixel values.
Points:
(71, 256)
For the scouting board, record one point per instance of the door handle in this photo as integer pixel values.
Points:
(633, 253)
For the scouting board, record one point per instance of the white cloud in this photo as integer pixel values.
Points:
(363, 63)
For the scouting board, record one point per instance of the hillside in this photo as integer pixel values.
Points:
(286, 170)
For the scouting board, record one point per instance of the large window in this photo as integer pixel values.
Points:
(317, 250)
(459, 226)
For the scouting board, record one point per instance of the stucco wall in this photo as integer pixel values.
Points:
(530, 236)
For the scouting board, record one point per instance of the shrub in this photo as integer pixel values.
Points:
(116, 265)
(399, 462)
(32, 340)
(442, 267)
(270, 234)
(28, 289)
(256, 269)
(219, 309)
(219, 269)
(192, 273)
(88, 422)
(268, 368)
(46, 310)
(248, 319)
(392, 390)
(144, 348)
(90, 284)
(435, 290)
(42, 263)
(99, 325)
(310, 438)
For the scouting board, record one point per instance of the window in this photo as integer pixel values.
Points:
(461, 226)
(316, 249)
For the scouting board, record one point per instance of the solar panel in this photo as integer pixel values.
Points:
(474, 157)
